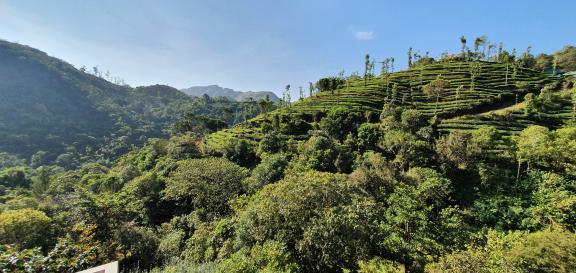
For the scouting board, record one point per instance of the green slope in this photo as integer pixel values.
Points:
(495, 86)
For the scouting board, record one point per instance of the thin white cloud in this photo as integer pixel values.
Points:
(364, 35)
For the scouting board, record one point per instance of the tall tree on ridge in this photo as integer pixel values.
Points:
(463, 42)
(480, 41)
(311, 88)
(366, 67)
(287, 96)
(410, 57)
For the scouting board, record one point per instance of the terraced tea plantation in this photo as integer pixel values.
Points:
(512, 121)
(473, 88)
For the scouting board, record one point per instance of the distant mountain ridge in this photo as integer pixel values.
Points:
(217, 91)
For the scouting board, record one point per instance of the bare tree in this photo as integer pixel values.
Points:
(436, 88)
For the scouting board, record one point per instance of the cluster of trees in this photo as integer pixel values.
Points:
(362, 194)
(562, 61)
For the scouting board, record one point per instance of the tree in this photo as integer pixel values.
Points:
(205, 184)
(318, 153)
(329, 84)
(271, 256)
(463, 46)
(290, 212)
(544, 62)
(184, 146)
(270, 144)
(270, 170)
(419, 221)
(240, 152)
(266, 105)
(554, 65)
(368, 136)
(409, 57)
(339, 122)
(459, 90)
(311, 88)
(553, 201)
(375, 175)
(475, 70)
(517, 251)
(453, 149)
(286, 96)
(411, 120)
(25, 228)
(566, 58)
(479, 41)
(436, 88)
(533, 146)
(366, 68)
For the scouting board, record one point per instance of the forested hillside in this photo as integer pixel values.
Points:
(462, 163)
(53, 113)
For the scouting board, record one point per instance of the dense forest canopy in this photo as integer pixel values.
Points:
(54, 114)
(461, 163)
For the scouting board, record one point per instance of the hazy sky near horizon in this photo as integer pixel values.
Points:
(266, 44)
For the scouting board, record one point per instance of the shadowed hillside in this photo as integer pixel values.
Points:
(58, 114)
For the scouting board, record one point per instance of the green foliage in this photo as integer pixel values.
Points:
(339, 123)
(374, 175)
(241, 152)
(537, 145)
(544, 251)
(283, 211)
(419, 219)
(270, 170)
(270, 257)
(270, 143)
(183, 147)
(379, 266)
(369, 135)
(25, 228)
(342, 235)
(412, 120)
(329, 84)
(205, 184)
(318, 153)
(566, 58)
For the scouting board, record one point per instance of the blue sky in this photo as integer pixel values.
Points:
(266, 44)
